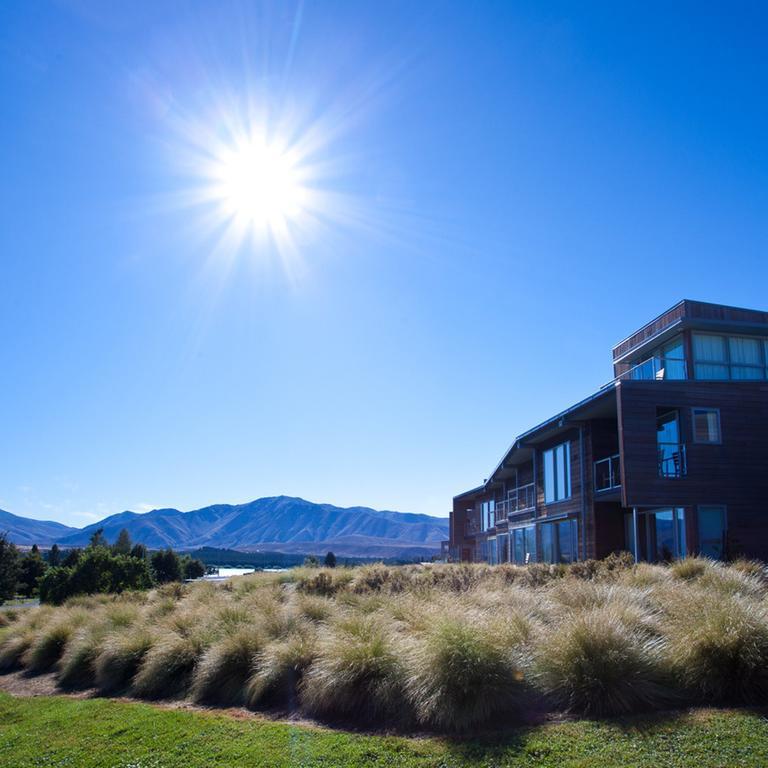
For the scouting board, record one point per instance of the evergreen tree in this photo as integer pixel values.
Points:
(139, 551)
(54, 556)
(193, 569)
(9, 569)
(98, 539)
(31, 570)
(330, 560)
(166, 566)
(123, 544)
(72, 558)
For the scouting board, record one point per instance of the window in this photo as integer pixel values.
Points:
(711, 357)
(666, 362)
(502, 548)
(706, 425)
(558, 542)
(523, 545)
(746, 358)
(557, 473)
(729, 357)
(488, 511)
(712, 532)
(671, 452)
(672, 360)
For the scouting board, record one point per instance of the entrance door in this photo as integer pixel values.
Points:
(665, 531)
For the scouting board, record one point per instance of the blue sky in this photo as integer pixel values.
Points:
(513, 188)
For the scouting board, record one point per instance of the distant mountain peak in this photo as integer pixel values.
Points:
(279, 523)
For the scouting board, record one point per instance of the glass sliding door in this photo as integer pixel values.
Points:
(712, 531)
(665, 534)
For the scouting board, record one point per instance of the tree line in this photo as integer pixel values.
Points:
(99, 567)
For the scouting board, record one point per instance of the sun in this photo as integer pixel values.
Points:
(259, 183)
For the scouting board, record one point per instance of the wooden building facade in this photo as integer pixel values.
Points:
(670, 458)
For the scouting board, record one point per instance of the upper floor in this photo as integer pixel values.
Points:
(697, 340)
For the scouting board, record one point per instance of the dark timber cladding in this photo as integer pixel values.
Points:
(670, 458)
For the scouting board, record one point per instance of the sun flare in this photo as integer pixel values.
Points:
(259, 183)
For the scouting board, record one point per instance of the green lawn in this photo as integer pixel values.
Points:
(61, 731)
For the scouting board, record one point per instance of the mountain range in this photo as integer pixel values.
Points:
(275, 523)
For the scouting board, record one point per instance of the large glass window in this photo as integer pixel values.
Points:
(746, 358)
(667, 534)
(671, 453)
(502, 548)
(706, 425)
(566, 540)
(666, 362)
(729, 357)
(488, 514)
(711, 356)
(557, 473)
(548, 546)
(523, 545)
(558, 541)
(712, 531)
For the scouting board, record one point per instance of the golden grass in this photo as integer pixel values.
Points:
(445, 647)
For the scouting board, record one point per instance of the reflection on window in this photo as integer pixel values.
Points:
(666, 362)
(558, 542)
(671, 452)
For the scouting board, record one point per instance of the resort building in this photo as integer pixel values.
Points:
(669, 458)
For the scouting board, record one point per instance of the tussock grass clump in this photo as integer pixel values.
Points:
(13, 649)
(595, 664)
(119, 658)
(77, 668)
(166, 670)
(357, 675)
(280, 668)
(47, 647)
(224, 669)
(718, 649)
(447, 647)
(463, 672)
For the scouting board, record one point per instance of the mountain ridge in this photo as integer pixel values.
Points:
(278, 523)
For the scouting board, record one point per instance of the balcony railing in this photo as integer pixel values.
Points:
(654, 369)
(520, 499)
(608, 473)
(672, 460)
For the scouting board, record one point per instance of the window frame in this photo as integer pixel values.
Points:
(706, 409)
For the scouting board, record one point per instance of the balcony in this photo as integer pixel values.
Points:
(672, 460)
(520, 499)
(608, 473)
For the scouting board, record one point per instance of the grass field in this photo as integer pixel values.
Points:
(94, 733)
(443, 648)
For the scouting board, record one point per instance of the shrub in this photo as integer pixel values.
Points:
(221, 676)
(357, 674)
(596, 665)
(465, 672)
(718, 649)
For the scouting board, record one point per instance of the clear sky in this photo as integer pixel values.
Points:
(490, 195)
